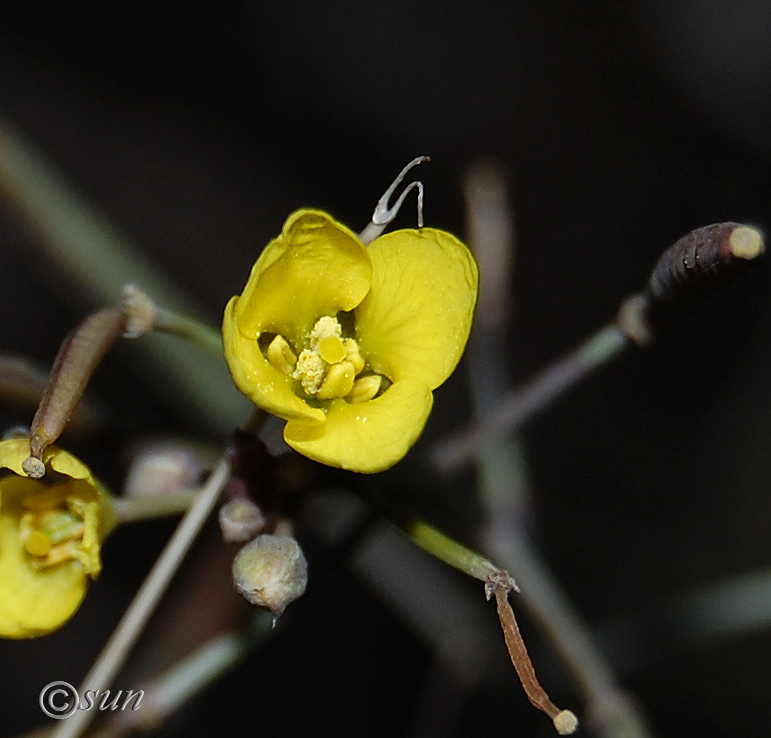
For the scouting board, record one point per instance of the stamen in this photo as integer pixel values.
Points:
(59, 526)
(331, 349)
(281, 356)
(67, 551)
(309, 370)
(51, 535)
(383, 215)
(325, 326)
(329, 368)
(365, 388)
(36, 544)
(339, 381)
(352, 354)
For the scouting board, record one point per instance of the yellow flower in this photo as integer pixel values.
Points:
(50, 534)
(347, 343)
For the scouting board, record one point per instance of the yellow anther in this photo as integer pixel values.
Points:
(352, 354)
(281, 356)
(365, 388)
(325, 327)
(331, 349)
(44, 533)
(68, 551)
(310, 371)
(339, 381)
(37, 543)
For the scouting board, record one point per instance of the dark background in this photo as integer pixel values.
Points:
(197, 128)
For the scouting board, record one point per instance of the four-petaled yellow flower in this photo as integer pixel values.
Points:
(50, 535)
(346, 342)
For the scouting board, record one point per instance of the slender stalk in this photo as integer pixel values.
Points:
(519, 405)
(564, 720)
(208, 338)
(134, 620)
(503, 479)
(78, 358)
(449, 551)
(168, 692)
(134, 509)
(81, 245)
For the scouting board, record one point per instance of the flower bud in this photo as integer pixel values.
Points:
(240, 520)
(162, 467)
(271, 572)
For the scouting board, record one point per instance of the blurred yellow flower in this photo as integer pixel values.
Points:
(50, 535)
(346, 342)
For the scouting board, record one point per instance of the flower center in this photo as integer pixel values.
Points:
(52, 533)
(330, 367)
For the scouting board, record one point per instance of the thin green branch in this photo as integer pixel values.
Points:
(449, 551)
(134, 509)
(502, 474)
(134, 620)
(80, 244)
(521, 404)
(208, 338)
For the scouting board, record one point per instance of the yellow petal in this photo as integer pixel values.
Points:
(416, 319)
(267, 387)
(34, 602)
(316, 267)
(366, 437)
(13, 451)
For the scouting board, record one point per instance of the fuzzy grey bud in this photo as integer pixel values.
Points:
(271, 572)
(162, 467)
(240, 520)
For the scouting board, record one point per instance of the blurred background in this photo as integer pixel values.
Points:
(197, 128)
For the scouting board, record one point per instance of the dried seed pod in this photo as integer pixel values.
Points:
(78, 358)
(271, 572)
(565, 721)
(702, 261)
(688, 272)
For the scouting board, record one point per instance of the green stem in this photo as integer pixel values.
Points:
(449, 551)
(134, 509)
(134, 620)
(81, 245)
(168, 692)
(208, 338)
(521, 404)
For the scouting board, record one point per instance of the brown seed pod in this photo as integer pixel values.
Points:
(688, 272)
(703, 261)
